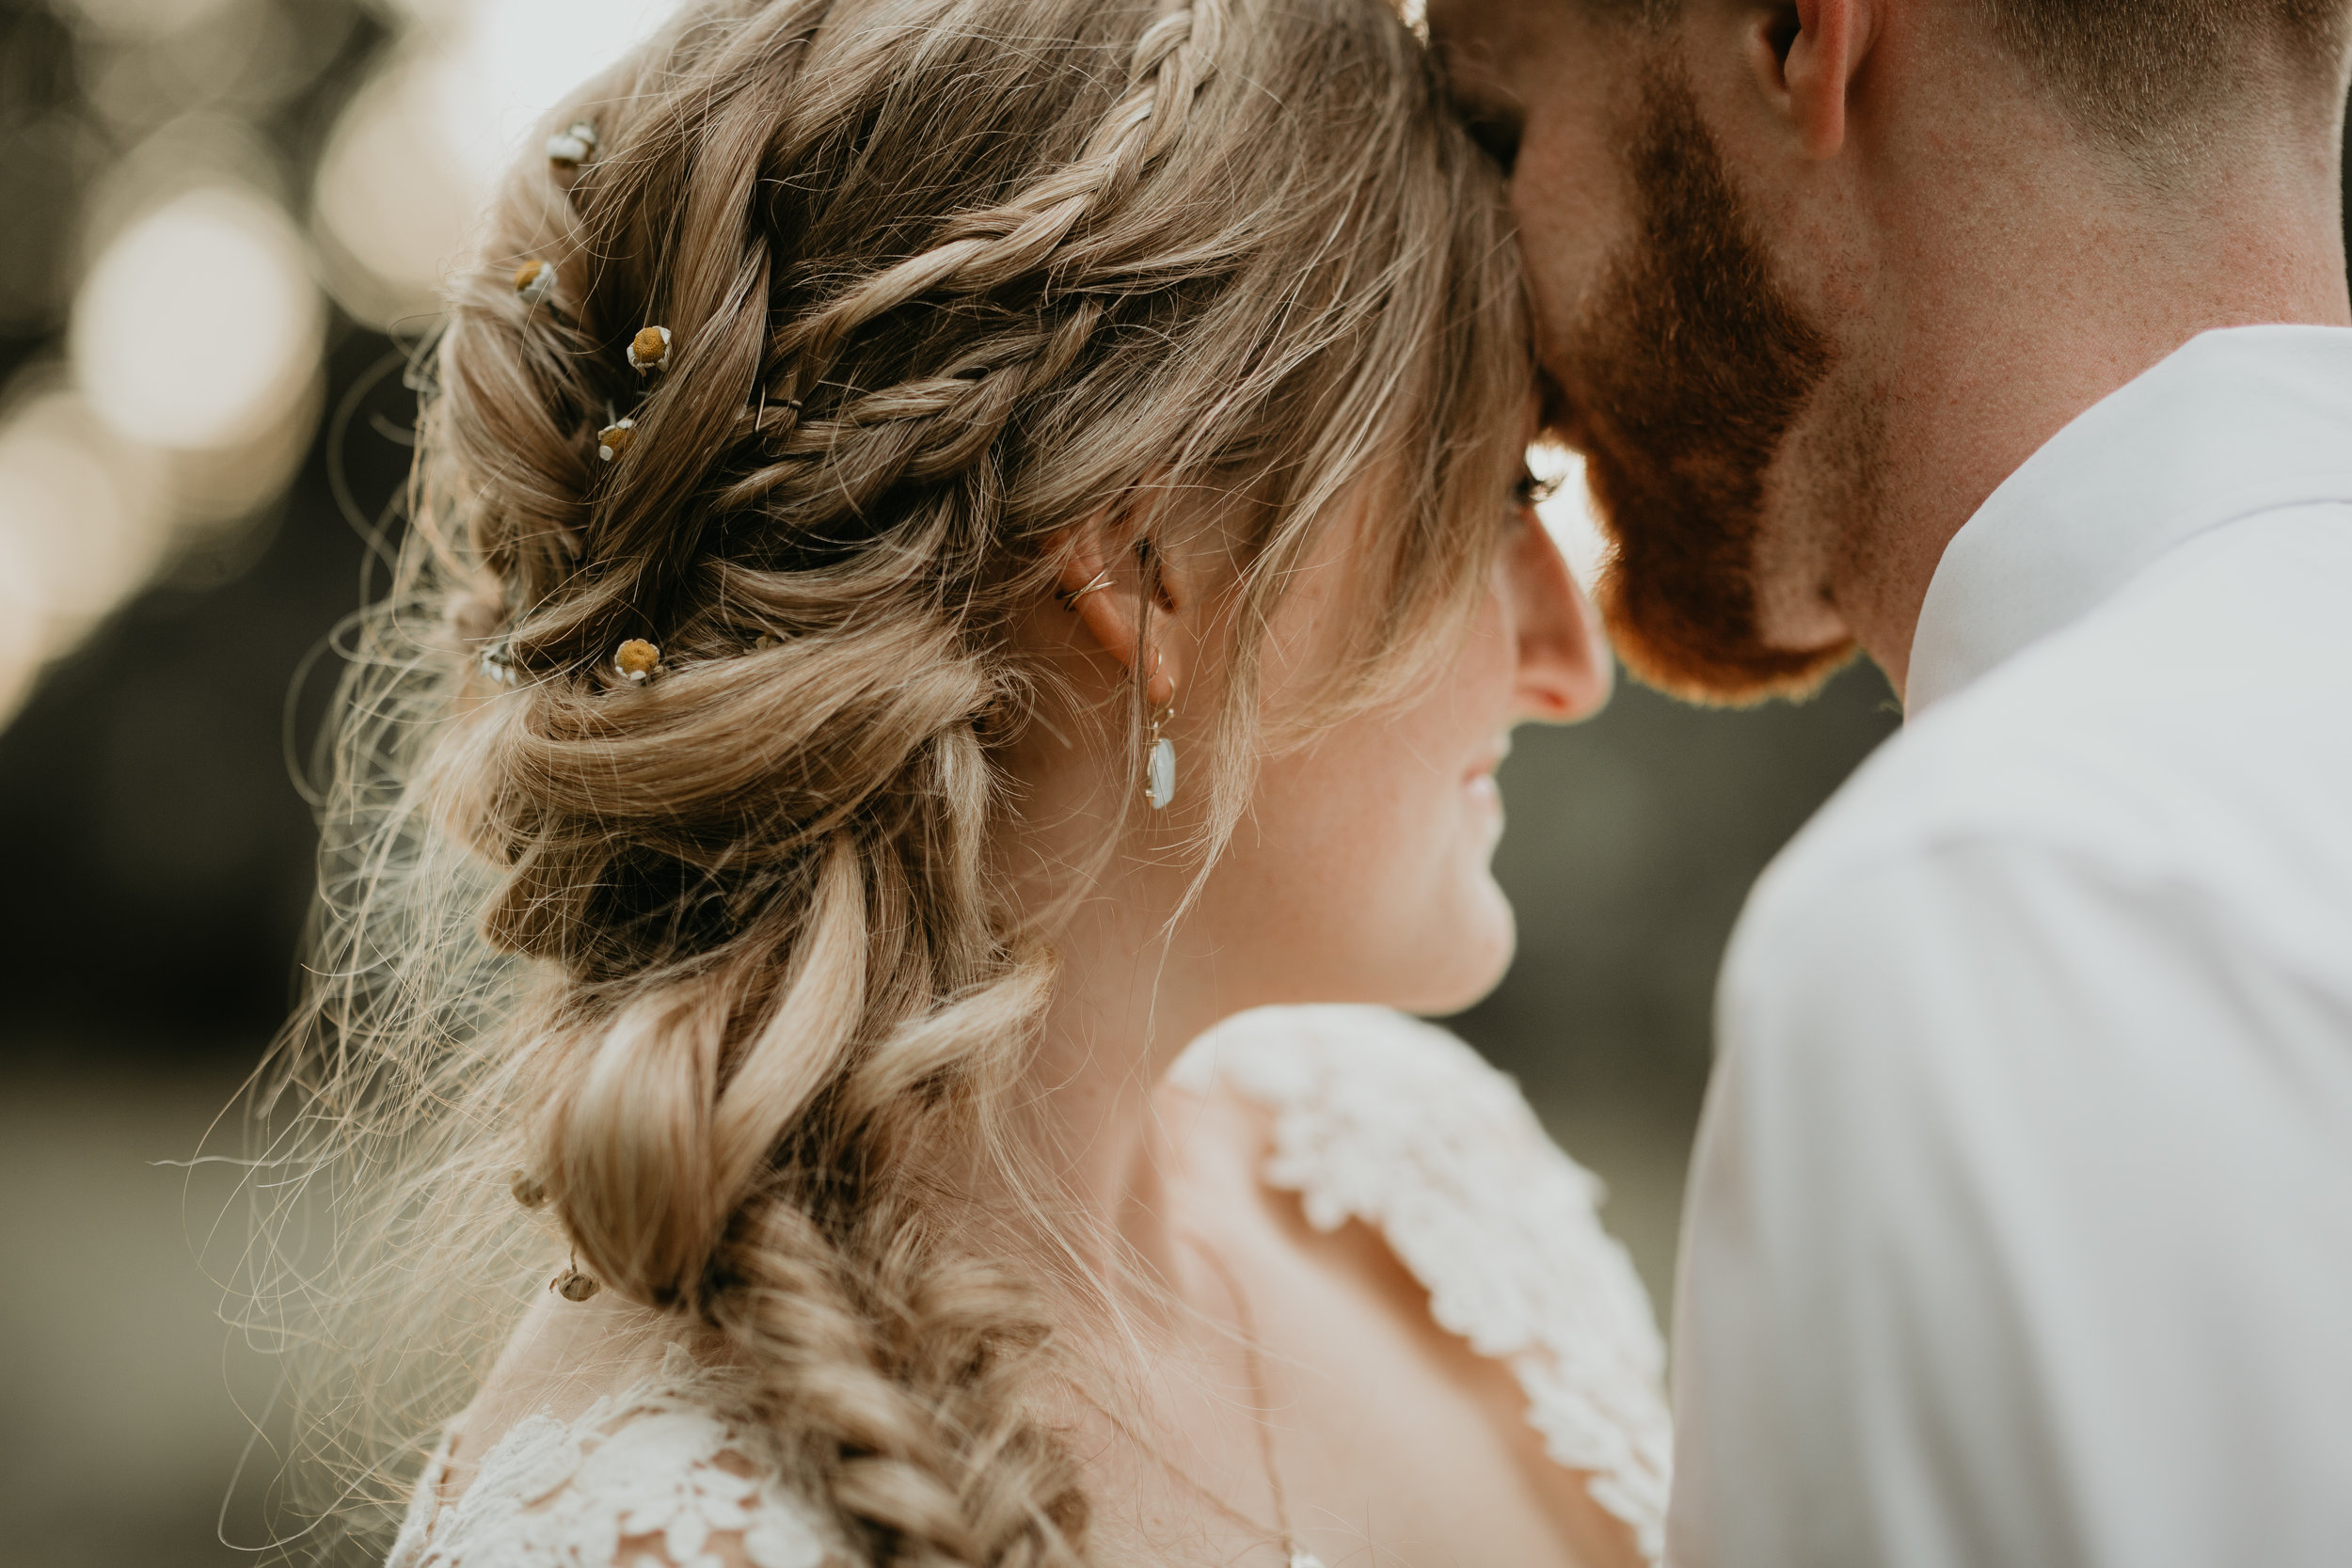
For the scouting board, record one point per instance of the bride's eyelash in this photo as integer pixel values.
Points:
(1530, 491)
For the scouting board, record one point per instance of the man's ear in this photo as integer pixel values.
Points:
(1808, 53)
(1107, 576)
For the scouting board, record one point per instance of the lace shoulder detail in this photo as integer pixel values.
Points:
(650, 1476)
(1395, 1122)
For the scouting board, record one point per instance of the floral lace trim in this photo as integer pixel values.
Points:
(1397, 1123)
(644, 1466)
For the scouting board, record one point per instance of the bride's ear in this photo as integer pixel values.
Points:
(1110, 573)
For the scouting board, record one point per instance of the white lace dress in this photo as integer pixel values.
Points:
(1376, 1118)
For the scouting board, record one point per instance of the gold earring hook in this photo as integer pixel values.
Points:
(1159, 752)
(1159, 662)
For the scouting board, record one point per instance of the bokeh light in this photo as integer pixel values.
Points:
(416, 157)
(194, 350)
(82, 515)
(163, 328)
(390, 212)
(199, 327)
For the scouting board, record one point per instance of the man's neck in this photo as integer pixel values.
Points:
(2012, 318)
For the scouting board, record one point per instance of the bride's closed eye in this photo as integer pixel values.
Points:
(1527, 493)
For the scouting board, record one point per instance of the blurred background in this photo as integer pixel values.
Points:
(226, 220)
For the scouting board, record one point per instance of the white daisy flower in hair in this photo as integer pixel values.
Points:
(534, 280)
(638, 661)
(649, 351)
(573, 145)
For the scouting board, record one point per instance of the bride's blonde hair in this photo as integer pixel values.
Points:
(703, 966)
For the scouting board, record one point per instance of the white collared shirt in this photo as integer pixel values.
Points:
(2019, 1230)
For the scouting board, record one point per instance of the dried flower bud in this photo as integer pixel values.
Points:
(637, 659)
(498, 664)
(573, 145)
(649, 350)
(572, 1285)
(526, 1190)
(534, 280)
(613, 439)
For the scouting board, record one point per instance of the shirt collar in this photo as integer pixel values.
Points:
(2237, 421)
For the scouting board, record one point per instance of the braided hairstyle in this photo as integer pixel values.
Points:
(709, 960)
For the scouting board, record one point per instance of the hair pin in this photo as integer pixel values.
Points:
(638, 661)
(534, 280)
(573, 145)
(649, 351)
(613, 439)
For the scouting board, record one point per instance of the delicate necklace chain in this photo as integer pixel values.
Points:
(1298, 1556)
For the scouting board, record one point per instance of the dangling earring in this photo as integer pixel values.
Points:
(1159, 758)
(574, 1284)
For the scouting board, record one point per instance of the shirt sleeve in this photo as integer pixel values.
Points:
(2020, 1233)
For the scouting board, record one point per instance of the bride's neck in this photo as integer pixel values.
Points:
(1133, 987)
(1127, 1001)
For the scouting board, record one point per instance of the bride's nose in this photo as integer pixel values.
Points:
(1565, 666)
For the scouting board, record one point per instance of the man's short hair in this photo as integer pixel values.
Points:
(2142, 72)
(2146, 74)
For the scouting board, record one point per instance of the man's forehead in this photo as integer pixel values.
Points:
(1474, 41)
(1489, 47)
(1474, 27)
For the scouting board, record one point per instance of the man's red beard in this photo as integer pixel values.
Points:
(1682, 381)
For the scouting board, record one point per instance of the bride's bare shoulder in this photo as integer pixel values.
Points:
(1392, 1201)
(560, 1362)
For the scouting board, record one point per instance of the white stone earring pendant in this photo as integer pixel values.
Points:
(1159, 764)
